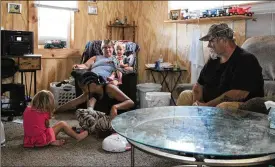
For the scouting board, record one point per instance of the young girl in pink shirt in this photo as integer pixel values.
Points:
(37, 132)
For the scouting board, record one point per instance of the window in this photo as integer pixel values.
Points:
(201, 5)
(54, 20)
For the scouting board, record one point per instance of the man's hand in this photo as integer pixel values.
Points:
(113, 112)
(229, 96)
(197, 92)
(201, 103)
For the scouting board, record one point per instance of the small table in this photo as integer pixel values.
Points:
(164, 73)
(29, 64)
(212, 136)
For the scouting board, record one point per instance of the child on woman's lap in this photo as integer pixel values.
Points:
(37, 132)
(122, 63)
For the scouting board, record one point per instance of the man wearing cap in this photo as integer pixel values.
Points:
(230, 76)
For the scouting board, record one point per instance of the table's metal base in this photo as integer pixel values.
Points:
(195, 162)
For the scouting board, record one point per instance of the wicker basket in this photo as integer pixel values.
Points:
(62, 94)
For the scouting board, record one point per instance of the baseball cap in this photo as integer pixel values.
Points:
(218, 30)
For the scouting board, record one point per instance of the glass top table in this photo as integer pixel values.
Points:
(199, 130)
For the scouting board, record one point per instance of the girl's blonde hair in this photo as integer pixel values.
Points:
(43, 101)
(119, 45)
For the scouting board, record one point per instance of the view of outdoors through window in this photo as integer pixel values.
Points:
(54, 24)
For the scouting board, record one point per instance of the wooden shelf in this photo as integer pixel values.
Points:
(209, 19)
(122, 26)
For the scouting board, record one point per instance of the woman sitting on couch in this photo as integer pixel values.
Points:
(102, 65)
(105, 65)
(106, 98)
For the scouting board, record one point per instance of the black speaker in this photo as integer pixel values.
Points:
(16, 43)
(17, 102)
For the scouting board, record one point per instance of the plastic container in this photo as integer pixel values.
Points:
(158, 99)
(62, 94)
(146, 87)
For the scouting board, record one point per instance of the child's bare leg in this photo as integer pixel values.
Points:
(119, 76)
(69, 131)
(114, 82)
(58, 142)
(112, 77)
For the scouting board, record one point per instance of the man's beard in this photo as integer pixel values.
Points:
(213, 54)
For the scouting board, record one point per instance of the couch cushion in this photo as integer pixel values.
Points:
(183, 87)
(263, 47)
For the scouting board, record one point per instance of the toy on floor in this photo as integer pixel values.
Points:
(78, 130)
(115, 143)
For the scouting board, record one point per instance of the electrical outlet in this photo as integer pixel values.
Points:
(92, 10)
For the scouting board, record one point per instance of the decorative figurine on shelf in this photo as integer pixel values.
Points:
(239, 11)
(184, 14)
(118, 22)
(125, 20)
(213, 13)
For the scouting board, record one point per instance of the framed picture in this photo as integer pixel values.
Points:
(175, 14)
(92, 10)
(14, 8)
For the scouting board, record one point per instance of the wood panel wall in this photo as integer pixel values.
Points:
(168, 39)
(94, 27)
(14, 21)
(153, 35)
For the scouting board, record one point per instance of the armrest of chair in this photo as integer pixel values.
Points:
(182, 87)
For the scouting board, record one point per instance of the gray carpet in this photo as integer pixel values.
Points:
(85, 153)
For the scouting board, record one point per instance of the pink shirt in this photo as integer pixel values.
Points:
(35, 131)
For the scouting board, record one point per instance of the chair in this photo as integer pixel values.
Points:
(15, 104)
(129, 79)
(263, 47)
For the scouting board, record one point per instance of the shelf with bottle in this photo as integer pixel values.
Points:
(209, 19)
